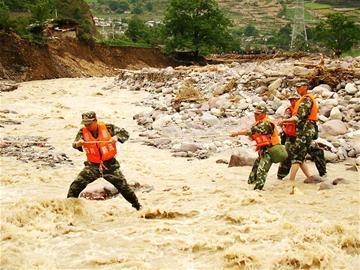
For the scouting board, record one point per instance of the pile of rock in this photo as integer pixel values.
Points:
(8, 86)
(194, 109)
(6, 120)
(34, 149)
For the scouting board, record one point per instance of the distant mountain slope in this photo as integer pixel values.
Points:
(266, 15)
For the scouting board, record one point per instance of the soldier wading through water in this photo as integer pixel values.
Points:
(288, 138)
(265, 134)
(99, 142)
(305, 115)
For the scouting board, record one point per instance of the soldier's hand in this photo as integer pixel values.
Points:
(79, 143)
(233, 134)
(114, 139)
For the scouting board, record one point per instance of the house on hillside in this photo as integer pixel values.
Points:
(56, 28)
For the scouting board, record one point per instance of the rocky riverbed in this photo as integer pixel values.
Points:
(195, 108)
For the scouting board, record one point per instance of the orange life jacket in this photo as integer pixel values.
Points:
(289, 128)
(262, 139)
(101, 151)
(313, 115)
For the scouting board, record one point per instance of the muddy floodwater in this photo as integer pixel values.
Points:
(199, 214)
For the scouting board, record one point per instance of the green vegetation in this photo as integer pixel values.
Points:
(4, 16)
(250, 30)
(201, 27)
(338, 33)
(353, 53)
(196, 26)
(124, 42)
(317, 6)
(29, 17)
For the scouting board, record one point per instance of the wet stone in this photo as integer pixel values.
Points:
(32, 149)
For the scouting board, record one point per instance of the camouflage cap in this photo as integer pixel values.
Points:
(302, 82)
(261, 108)
(88, 117)
(293, 95)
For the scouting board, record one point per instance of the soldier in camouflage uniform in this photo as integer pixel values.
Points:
(305, 116)
(263, 163)
(108, 169)
(315, 152)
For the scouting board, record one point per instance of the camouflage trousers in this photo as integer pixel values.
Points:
(111, 173)
(260, 170)
(315, 152)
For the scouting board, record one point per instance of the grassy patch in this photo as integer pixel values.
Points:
(317, 6)
(289, 14)
(124, 43)
(353, 53)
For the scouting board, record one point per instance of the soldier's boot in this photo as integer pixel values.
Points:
(259, 186)
(135, 203)
(131, 198)
(284, 169)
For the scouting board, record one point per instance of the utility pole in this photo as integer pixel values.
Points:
(298, 30)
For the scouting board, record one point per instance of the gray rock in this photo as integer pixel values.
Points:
(323, 91)
(188, 147)
(209, 119)
(324, 186)
(334, 128)
(314, 179)
(354, 101)
(330, 157)
(336, 114)
(275, 84)
(351, 153)
(181, 154)
(351, 88)
(244, 157)
(338, 181)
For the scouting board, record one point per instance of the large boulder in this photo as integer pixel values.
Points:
(188, 147)
(99, 191)
(333, 127)
(330, 157)
(162, 122)
(210, 119)
(322, 91)
(351, 88)
(243, 157)
(336, 114)
(218, 102)
(275, 84)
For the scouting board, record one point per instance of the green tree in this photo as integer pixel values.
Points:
(250, 30)
(137, 10)
(149, 6)
(338, 33)
(18, 5)
(282, 38)
(196, 25)
(4, 16)
(137, 30)
(119, 6)
(41, 10)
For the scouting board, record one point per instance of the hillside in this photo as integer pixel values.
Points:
(21, 60)
(266, 15)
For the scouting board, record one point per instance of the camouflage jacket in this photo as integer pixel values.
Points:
(262, 127)
(305, 127)
(122, 134)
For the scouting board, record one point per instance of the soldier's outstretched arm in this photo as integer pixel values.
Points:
(240, 132)
(78, 142)
(121, 134)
